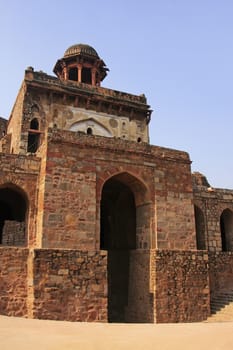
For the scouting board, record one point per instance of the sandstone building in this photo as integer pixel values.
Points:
(96, 224)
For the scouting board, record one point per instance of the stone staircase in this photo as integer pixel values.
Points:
(221, 306)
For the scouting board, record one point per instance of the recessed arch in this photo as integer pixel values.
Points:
(13, 215)
(200, 228)
(97, 128)
(124, 226)
(226, 227)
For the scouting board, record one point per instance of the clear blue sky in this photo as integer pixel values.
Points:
(179, 53)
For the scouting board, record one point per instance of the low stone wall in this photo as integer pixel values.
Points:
(13, 281)
(70, 285)
(220, 271)
(181, 286)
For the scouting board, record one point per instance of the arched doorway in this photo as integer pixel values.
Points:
(13, 209)
(200, 228)
(120, 207)
(226, 226)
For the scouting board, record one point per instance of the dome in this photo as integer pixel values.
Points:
(80, 49)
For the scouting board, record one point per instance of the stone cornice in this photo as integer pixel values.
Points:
(97, 98)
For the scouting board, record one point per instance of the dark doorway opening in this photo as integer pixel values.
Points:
(118, 236)
(200, 228)
(226, 226)
(13, 208)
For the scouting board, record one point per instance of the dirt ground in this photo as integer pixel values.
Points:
(24, 334)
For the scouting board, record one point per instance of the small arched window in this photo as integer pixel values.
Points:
(34, 125)
(89, 131)
(33, 136)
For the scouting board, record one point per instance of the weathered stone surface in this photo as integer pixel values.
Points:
(70, 285)
(181, 286)
(13, 281)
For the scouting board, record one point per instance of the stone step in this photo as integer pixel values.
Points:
(222, 308)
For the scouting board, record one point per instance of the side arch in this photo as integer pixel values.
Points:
(200, 228)
(14, 207)
(226, 227)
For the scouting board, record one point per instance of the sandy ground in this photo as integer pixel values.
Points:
(24, 334)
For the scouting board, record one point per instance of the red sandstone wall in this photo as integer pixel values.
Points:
(174, 196)
(13, 281)
(70, 285)
(182, 286)
(77, 168)
(220, 271)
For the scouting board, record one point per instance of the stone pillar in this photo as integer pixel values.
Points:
(93, 76)
(65, 72)
(79, 73)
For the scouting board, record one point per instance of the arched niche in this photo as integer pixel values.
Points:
(200, 228)
(13, 216)
(226, 226)
(91, 127)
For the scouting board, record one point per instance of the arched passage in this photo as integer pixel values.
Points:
(123, 209)
(118, 216)
(226, 226)
(13, 209)
(200, 228)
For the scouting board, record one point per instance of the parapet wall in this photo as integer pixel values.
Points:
(70, 285)
(181, 286)
(164, 286)
(13, 281)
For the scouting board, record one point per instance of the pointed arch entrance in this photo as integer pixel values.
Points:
(226, 225)
(123, 209)
(13, 210)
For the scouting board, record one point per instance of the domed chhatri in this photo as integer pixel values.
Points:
(80, 49)
(81, 63)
